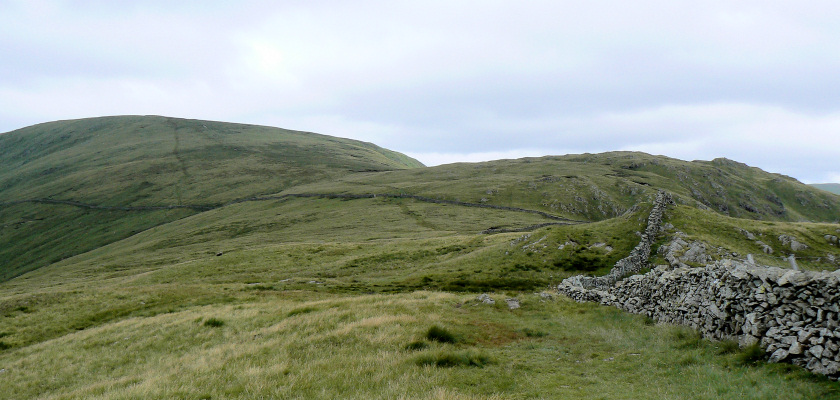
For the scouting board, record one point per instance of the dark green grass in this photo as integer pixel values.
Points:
(451, 359)
(214, 322)
(36, 235)
(440, 335)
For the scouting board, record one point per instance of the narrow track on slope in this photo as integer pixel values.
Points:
(208, 207)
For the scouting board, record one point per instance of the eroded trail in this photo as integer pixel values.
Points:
(207, 207)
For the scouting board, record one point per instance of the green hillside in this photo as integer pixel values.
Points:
(263, 263)
(828, 187)
(154, 164)
(598, 186)
(149, 160)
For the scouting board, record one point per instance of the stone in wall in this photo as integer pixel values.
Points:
(793, 315)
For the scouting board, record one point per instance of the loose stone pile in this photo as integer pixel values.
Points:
(793, 315)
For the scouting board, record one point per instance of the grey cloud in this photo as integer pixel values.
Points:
(435, 77)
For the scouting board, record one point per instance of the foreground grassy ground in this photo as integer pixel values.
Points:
(326, 298)
(299, 344)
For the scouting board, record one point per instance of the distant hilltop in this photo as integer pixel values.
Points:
(828, 187)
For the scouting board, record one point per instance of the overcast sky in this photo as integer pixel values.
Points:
(447, 81)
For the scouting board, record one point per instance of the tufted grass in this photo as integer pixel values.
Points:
(354, 346)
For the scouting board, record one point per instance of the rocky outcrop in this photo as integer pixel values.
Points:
(638, 258)
(792, 242)
(765, 248)
(792, 315)
(681, 253)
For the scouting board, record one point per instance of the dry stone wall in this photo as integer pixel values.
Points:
(638, 258)
(793, 315)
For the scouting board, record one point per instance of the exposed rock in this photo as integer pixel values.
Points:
(605, 246)
(568, 243)
(791, 242)
(747, 233)
(679, 252)
(778, 356)
(512, 304)
(485, 299)
(696, 253)
(766, 249)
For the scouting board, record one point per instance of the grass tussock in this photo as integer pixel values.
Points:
(534, 333)
(214, 322)
(417, 345)
(440, 335)
(451, 359)
(728, 347)
(687, 338)
(751, 355)
(301, 310)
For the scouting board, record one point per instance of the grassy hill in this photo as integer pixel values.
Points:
(828, 187)
(599, 186)
(148, 162)
(292, 295)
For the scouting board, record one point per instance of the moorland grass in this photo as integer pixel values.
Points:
(353, 346)
(440, 335)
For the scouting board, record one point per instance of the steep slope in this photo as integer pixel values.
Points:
(154, 164)
(600, 186)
